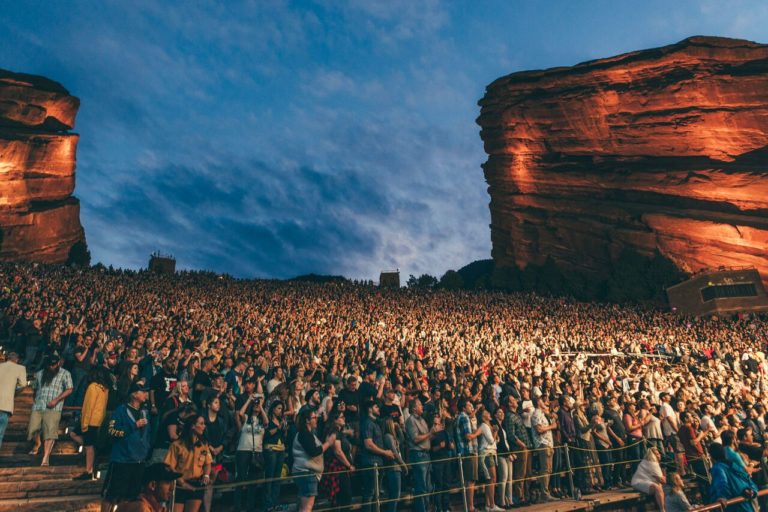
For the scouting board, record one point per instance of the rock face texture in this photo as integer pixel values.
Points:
(656, 149)
(39, 218)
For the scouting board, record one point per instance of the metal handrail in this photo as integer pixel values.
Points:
(723, 504)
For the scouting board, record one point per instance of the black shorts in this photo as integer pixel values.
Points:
(90, 436)
(184, 495)
(123, 481)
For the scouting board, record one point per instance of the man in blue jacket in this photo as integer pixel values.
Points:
(130, 432)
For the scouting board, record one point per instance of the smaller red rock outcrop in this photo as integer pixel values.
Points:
(39, 218)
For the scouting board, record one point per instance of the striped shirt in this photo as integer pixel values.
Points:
(60, 382)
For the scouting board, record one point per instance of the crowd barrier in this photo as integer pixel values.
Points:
(378, 501)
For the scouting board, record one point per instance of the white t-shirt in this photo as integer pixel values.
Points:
(668, 425)
(251, 437)
(487, 442)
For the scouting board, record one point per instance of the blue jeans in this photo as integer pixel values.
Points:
(4, 416)
(273, 467)
(393, 482)
(419, 470)
(368, 484)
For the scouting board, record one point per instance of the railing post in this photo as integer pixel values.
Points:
(173, 496)
(463, 484)
(570, 472)
(376, 486)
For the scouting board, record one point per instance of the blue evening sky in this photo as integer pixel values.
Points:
(275, 138)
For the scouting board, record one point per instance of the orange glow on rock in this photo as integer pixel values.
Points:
(657, 149)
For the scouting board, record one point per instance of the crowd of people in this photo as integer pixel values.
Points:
(342, 389)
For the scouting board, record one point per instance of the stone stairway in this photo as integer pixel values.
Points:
(26, 486)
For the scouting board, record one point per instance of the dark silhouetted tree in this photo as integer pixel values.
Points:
(79, 255)
(452, 280)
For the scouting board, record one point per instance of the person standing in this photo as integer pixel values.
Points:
(307, 451)
(372, 453)
(543, 441)
(441, 447)
(418, 436)
(53, 385)
(129, 428)
(275, 442)
(92, 416)
(393, 474)
(466, 446)
(190, 455)
(12, 377)
(690, 438)
(521, 443)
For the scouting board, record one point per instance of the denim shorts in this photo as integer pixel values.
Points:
(306, 483)
(487, 462)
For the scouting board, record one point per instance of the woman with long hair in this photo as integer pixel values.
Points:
(190, 455)
(440, 453)
(275, 442)
(249, 457)
(217, 432)
(487, 450)
(393, 472)
(92, 415)
(308, 458)
(336, 482)
(649, 478)
(504, 476)
(129, 374)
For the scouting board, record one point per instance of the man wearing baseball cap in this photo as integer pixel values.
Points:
(156, 490)
(129, 427)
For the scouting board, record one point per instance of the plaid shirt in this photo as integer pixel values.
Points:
(464, 426)
(61, 382)
(516, 430)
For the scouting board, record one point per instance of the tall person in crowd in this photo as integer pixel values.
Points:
(372, 453)
(53, 385)
(418, 436)
(13, 377)
(131, 447)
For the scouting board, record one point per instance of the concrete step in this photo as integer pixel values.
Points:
(25, 460)
(27, 473)
(88, 503)
(46, 488)
(64, 446)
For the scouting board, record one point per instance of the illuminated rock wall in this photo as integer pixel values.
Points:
(664, 148)
(39, 218)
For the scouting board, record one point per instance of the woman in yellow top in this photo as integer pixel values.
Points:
(92, 415)
(190, 455)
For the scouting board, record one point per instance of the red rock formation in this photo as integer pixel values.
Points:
(657, 149)
(39, 218)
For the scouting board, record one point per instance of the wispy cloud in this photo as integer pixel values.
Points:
(281, 137)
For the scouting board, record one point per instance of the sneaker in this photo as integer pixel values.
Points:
(547, 497)
(84, 476)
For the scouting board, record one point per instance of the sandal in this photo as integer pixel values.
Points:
(44, 463)
(34, 452)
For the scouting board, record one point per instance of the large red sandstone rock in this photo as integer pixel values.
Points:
(39, 220)
(664, 148)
